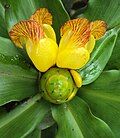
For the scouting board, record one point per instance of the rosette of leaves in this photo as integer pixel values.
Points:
(93, 113)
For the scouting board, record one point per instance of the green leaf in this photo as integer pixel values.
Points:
(103, 97)
(114, 62)
(23, 119)
(99, 58)
(18, 11)
(107, 10)
(3, 30)
(36, 133)
(9, 54)
(2, 112)
(75, 120)
(17, 78)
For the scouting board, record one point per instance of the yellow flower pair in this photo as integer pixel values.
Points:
(78, 38)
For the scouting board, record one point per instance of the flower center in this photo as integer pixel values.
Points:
(57, 85)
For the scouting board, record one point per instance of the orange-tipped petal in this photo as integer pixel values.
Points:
(42, 16)
(98, 28)
(72, 53)
(43, 54)
(25, 30)
(75, 32)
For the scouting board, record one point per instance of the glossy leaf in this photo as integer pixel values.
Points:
(107, 10)
(114, 62)
(18, 11)
(23, 119)
(3, 30)
(99, 57)
(103, 97)
(75, 120)
(17, 78)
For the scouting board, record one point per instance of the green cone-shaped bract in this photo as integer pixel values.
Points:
(57, 86)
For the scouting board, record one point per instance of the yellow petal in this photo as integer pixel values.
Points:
(72, 53)
(77, 78)
(49, 32)
(90, 44)
(42, 16)
(98, 29)
(73, 58)
(25, 30)
(43, 54)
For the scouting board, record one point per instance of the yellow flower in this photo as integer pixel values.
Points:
(78, 38)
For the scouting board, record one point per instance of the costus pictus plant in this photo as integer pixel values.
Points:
(59, 74)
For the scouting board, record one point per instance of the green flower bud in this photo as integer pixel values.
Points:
(57, 86)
